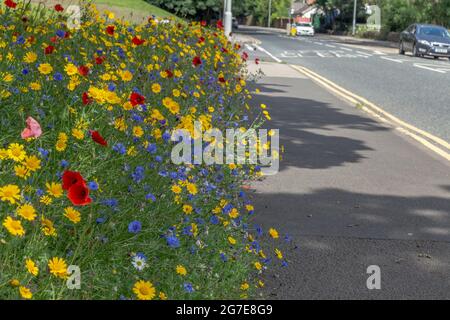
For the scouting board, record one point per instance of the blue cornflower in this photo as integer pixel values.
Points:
(150, 196)
(172, 241)
(25, 71)
(151, 148)
(64, 163)
(93, 185)
(58, 76)
(188, 287)
(60, 33)
(120, 148)
(214, 220)
(40, 192)
(134, 227)
(44, 153)
(166, 136)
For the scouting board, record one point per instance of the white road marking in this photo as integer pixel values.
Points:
(379, 53)
(268, 53)
(393, 60)
(347, 49)
(330, 46)
(320, 54)
(249, 47)
(364, 53)
(427, 67)
(319, 43)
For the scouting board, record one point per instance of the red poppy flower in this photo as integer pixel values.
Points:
(136, 98)
(203, 23)
(219, 24)
(257, 61)
(49, 49)
(83, 70)
(222, 79)
(245, 56)
(98, 138)
(137, 41)
(201, 39)
(54, 39)
(86, 99)
(99, 60)
(10, 4)
(196, 61)
(59, 8)
(79, 194)
(71, 178)
(110, 30)
(169, 73)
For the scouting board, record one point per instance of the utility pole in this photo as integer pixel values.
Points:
(354, 18)
(228, 16)
(270, 13)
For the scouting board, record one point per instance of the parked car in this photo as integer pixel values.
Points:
(304, 29)
(234, 24)
(425, 40)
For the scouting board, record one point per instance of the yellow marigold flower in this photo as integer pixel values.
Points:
(273, 233)
(8, 77)
(45, 200)
(72, 214)
(3, 153)
(25, 292)
(45, 68)
(138, 131)
(30, 57)
(54, 189)
(71, 69)
(62, 136)
(10, 193)
(187, 209)
(58, 267)
(35, 86)
(27, 212)
(258, 265)
(176, 93)
(156, 88)
(126, 75)
(31, 267)
(78, 133)
(245, 286)
(32, 163)
(234, 213)
(16, 152)
(14, 283)
(60, 145)
(47, 227)
(232, 240)
(278, 254)
(162, 296)
(176, 189)
(181, 270)
(192, 188)
(13, 226)
(144, 290)
(21, 171)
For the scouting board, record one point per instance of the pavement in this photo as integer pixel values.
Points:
(351, 192)
(412, 89)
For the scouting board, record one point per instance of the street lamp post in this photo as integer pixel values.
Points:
(354, 18)
(228, 16)
(270, 13)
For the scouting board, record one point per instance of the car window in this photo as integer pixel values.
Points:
(304, 25)
(433, 31)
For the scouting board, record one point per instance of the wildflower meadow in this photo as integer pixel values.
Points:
(91, 205)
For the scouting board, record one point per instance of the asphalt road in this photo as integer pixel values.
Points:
(415, 90)
(351, 192)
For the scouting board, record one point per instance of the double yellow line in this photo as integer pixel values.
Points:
(430, 141)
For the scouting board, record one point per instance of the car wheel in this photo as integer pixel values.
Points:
(414, 51)
(401, 49)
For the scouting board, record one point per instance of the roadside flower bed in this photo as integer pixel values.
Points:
(86, 177)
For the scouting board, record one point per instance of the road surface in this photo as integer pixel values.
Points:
(352, 192)
(416, 90)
